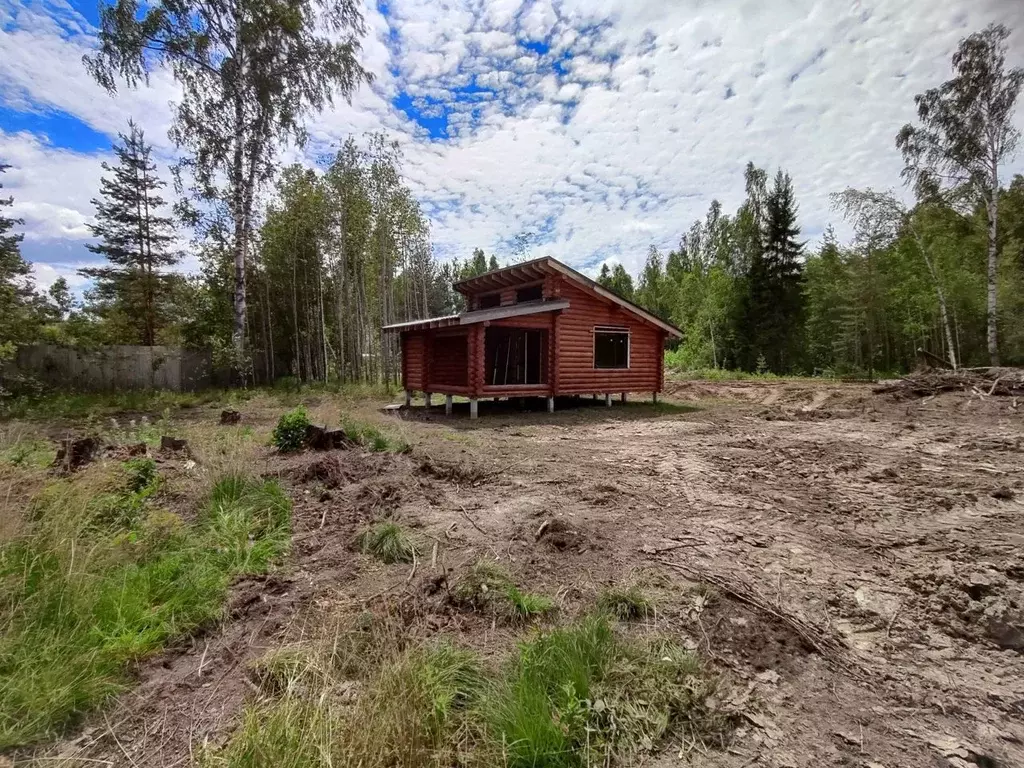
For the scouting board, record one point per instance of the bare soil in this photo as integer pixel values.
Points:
(863, 559)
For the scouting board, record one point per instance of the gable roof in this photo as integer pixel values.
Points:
(537, 269)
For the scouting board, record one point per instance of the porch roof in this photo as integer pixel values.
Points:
(481, 315)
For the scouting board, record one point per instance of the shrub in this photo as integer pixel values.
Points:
(388, 542)
(290, 433)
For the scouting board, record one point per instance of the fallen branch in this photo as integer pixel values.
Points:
(828, 646)
(472, 521)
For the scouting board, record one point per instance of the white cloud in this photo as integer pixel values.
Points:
(618, 136)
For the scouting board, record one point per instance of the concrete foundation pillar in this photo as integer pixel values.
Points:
(408, 398)
(447, 405)
(551, 405)
(608, 399)
(426, 396)
(473, 408)
(654, 398)
(623, 397)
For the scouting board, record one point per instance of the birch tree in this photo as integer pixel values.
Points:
(250, 71)
(966, 134)
(879, 218)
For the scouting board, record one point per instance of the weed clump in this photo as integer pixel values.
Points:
(290, 433)
(629, 604)
(488, 586)
(388, 542)
(374, 439)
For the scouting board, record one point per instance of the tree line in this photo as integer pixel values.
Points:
(944, 273)
(300, 267)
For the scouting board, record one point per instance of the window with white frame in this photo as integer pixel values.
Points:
(611, 347)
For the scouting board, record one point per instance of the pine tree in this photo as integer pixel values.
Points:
(135, 239)
(18, 305)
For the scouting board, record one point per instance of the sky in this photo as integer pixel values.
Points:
(597, 127)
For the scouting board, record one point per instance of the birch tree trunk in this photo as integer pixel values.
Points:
(992, 210)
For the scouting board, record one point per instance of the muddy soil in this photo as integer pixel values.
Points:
(866, 557)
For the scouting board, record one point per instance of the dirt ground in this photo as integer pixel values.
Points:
(866, 557)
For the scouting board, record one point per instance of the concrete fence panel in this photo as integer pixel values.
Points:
(115, 367)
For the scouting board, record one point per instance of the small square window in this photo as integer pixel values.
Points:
(611, 349)
(530, 293)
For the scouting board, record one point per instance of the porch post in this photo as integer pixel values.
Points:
(408, 398)
(654, 398)
(447, 405)
(473, 408)
(608, 399)
(623, 397)
(551, 405)
(426, 396)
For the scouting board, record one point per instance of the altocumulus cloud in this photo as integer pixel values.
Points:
(598, 127)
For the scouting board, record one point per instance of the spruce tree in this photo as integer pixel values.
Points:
(18, 315)
(135, 239)
(773, 316)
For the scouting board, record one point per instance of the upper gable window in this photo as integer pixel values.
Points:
(489, 300)
(530, 293)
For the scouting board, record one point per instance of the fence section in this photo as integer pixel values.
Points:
(116, 367)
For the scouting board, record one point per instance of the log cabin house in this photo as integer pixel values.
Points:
(536, 329)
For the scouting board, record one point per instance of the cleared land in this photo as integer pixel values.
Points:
(837, 575)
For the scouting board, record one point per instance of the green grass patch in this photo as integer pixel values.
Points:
(373, 438)
(83, 405)
(103, 579)
(584, 695)
(581, 695)
(625, 604)
(29, 453)
(388, 542)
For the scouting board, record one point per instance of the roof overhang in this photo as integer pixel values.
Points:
(481, 315)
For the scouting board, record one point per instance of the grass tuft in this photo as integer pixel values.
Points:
(527, 605)
(629, 604)
(373, 438)
(388, 542)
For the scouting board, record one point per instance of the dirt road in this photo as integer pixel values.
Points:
(881, 541)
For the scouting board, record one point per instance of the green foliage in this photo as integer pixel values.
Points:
(290, 433)
(83, 594)
(481, 583)
(388, 542)
(628, 604)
